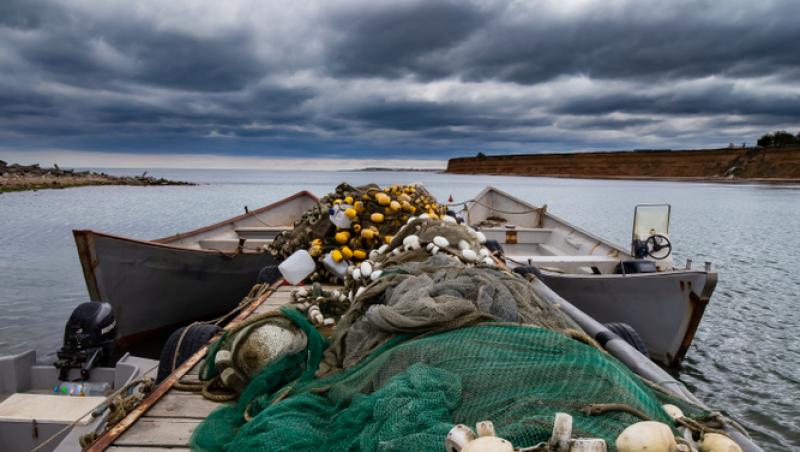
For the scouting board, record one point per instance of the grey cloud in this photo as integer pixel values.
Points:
(449, 76)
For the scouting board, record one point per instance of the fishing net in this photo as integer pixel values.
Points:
(410, 392)
(433, 343)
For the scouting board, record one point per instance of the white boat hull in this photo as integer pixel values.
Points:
(664, 308)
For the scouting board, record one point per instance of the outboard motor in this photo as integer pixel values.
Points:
(89, 339)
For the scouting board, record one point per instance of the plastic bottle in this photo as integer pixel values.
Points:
(82, 389)
(297, 267)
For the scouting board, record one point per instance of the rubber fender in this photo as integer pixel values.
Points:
(494, 246)
(194, 340)
(269, 274)
(629, 335)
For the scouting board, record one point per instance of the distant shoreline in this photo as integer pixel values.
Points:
(408, 170)
(17, 177)
(728, 165)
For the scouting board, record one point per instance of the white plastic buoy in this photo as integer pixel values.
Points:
(463, 245)
(673, 411)
(328, 322)
(485, 252)
(383, 249)
(360, 291)
(440, 241)
(366, 269)
(375, 275)
(481, 237)
(714, 442)
(449, 219)
(489, 444)
(424, 216)
(469, 255)
(357, 274)
(434, 249)
(649, 436)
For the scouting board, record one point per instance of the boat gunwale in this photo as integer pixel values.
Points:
(546, 212)
(211, 227)
(165, 242)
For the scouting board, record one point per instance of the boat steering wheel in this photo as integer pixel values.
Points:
(658, 247)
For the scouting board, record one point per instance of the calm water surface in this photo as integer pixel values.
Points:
(745, 358)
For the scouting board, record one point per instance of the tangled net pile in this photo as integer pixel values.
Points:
(351, 222)
(440, 337)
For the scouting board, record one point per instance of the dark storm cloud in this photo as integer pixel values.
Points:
(401, 39)
(435, 79)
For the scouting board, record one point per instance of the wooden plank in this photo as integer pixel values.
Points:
(162, 432)
(178, 404)
(110, 436)
(146, 449)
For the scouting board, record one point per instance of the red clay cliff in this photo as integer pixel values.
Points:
(729, 164)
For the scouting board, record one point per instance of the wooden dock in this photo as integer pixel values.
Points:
(167, 418)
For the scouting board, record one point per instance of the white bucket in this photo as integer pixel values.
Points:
(297, 267)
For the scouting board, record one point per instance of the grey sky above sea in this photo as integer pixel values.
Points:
(418, 80)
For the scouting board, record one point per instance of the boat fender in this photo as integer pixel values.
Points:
(493, 245)
(626, 333)
(268, 275)
(194, 339)
(647, 436)
(529, 270)
(715, 442)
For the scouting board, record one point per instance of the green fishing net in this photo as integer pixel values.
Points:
(409, 393)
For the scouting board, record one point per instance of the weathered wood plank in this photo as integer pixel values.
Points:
(159, 432)
(146, 449)
(178, 404)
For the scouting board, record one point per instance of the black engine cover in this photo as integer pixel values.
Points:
(89, 338)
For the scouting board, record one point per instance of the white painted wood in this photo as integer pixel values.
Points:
(23, 407)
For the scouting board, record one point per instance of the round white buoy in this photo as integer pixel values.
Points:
(440, 241)
(673, 411)
(649, 436)
(366, 269)
(469, 255)
(714, 442)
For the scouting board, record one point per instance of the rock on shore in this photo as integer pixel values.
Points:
(17, 177)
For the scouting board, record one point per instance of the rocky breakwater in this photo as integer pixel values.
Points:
(17, 177)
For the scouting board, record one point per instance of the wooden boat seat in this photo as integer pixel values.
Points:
(230, 245)
(261, 232)
(570, 263)
(24, 407)
(520, 235)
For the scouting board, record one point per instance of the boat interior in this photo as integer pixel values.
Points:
(249, 232)
(531, 236)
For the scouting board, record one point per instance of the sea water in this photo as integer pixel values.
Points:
(745, 358)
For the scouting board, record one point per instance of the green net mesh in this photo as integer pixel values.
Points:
(409, 393)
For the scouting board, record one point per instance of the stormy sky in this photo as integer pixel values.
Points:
(396, 80)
